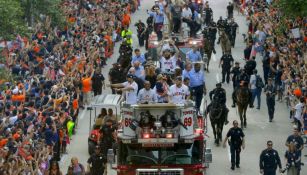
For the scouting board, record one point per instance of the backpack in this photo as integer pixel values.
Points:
(259, 82)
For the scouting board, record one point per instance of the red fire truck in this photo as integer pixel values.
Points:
(161, 139)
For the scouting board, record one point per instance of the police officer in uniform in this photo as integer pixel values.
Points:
(141, 32)
(233, 31)
(236, 142)
(226, 62)
(97, 82)
(270, 91)
(219, 94)
(208, 14)
(235, 71)
(212, 32)
(107, 139)
(115, 75)
(269, 159)
(97, 162)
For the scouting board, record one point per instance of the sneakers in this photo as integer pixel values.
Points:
(233, 105)
(238, 166)
(232, 168)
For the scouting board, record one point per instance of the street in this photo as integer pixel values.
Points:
(258, 130)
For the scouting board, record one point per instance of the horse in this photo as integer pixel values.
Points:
(208, 49)
(217, 119)
(225, 42)
(242, 99)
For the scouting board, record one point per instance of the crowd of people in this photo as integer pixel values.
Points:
(55, 71)
(58, 69)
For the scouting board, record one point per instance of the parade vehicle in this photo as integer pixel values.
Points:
(101, 101)
(161, 139)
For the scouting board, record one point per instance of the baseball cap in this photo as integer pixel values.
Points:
(130, 76)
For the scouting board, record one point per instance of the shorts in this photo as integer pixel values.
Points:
(86, 97)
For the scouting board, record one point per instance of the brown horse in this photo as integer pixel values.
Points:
(217, 119)
(242, 99)
(208, 49)
(225, 42)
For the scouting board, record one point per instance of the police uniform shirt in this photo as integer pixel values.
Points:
(147, 96)
(234, 27)
(269, 159)
(97, 80)
(168, 64)
(236, 135)
(97, 162)
(140, 58)
(131, 95)
(236, 73)
(227, 59)
(271, 90)
(297, 140)
(194, 56)
(196, 78)
(177, 94)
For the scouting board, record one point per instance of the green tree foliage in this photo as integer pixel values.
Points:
(293, 8)
(11, 19)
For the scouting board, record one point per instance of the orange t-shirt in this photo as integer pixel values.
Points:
(3, 142)
(75, 104)
(86, 84)
(126, 20)
(20, 98)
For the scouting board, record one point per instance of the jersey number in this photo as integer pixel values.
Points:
(187, 121)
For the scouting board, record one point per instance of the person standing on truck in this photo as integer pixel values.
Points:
(97, 162)
(129, 87)
(236, 142)
(147, 95)
(178, 93)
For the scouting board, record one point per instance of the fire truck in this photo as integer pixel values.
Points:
(161, 139)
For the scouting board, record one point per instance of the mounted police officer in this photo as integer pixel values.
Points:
(235, 71)
(243, 84)
(97, 162)
(269, 159)
(270, 91)
(212, 31)
(219, 94)
(141, 32)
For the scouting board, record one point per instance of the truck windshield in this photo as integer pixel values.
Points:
(180, 154)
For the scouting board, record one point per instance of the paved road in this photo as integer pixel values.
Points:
(259, 129)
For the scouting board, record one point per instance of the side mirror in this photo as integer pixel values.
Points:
(110, 156)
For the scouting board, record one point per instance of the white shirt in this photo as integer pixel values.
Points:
(186, 13)
(252, 81)
(298, 111)
(169, 64)
(13, 119)
(177, 94)
(147, 96)
(131, 95)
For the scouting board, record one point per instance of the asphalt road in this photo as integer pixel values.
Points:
(258, 131)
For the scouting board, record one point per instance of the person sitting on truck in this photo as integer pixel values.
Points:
(193, 55)
(100, 119)
(110, 116)
(178, 93)
(147, 95)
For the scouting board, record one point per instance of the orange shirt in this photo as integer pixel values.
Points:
(75, 104)
(20, 98)
(126, 20)
(3, 142)
(87, 84)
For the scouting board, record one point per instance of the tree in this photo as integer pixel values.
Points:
(292, 8)
(11, 23)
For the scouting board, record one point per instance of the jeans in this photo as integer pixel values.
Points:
(256, 93)
(235, 155)
(269, 171)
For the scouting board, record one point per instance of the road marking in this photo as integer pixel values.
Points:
(217, 78)
(229, 154)
(83, 113)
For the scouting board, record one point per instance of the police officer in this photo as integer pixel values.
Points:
(97, 162)
(141, 32)
(230, 10)
(235, 71)
(115, 75)
(233, 31)
(226, 62)
(97, 82)
(250, 66)
(107, 139)
(269, 159)
(270, 91)
(208, 14)
(236, 142)
(219, 94)
(220, 24)
(212, 31)
(197, 84)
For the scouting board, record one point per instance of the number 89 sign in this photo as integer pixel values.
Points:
(187, 120)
